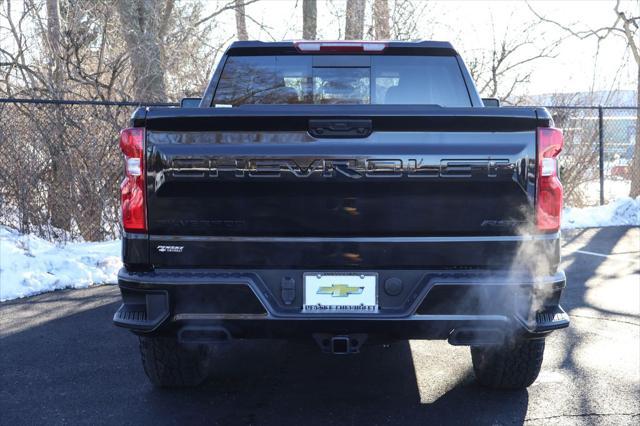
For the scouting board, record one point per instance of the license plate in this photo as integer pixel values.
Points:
(340, 293)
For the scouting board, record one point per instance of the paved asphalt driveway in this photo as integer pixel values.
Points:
(62, 361)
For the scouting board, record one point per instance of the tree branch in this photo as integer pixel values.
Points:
(229, 6)
(584, 33)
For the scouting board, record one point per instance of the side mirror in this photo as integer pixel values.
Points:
(190, 102)
(491, 102)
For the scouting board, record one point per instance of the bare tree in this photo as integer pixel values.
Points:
(405, 17)
(580, 152)
(60, 216)
(626, 27)
(241, 22)
(309, 19)
(143, 29)
(54, 45)
(354, 20)
(501, 69)
(382, 31)
(60, 164)
(91, 58)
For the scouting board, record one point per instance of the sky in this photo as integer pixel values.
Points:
(470, 25)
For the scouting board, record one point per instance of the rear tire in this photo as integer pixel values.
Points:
(168, 364)
(513, 366)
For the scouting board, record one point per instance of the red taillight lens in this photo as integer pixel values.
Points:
(340, 46)
(549, 188)
(132, 187)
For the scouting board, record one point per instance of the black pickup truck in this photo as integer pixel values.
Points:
(347, 193)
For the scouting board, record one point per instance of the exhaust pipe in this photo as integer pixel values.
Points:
(203, 335)
(476, 337)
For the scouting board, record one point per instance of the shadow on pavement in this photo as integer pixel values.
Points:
(80, 368)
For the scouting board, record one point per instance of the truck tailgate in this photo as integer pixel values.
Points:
(216, 177)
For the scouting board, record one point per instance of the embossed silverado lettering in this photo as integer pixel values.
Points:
(354, 168)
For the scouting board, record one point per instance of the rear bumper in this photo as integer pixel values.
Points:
(267, 304)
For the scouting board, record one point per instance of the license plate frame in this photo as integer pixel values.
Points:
(340, 292)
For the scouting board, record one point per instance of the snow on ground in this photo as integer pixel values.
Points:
(30, 265)
(614, 189)
(623, 211)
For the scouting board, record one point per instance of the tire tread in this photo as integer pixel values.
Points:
(508, 367)
(167, 364)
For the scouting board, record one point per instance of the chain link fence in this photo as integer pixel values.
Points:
(60, 165)
(597, 160)
(60, 168)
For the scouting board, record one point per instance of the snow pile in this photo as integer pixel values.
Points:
(30, 265)
(623, 211)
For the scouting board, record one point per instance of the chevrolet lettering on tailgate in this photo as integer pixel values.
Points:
(354, 168)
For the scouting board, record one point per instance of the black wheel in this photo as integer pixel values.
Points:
(168, 364)
(514, 366)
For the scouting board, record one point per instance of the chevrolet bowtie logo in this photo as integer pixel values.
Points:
(340, 290)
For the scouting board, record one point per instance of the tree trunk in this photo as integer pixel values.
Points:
(54, 45)
(140, 23)
(241, 22)
(381, 19)
(309, 19)
(354, 23)
(635, 164)
(90, 220)
(58, 191)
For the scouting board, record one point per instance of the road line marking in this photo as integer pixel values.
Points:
(608, 256)
(592, 253)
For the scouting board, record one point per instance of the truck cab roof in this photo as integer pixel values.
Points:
(423, 47)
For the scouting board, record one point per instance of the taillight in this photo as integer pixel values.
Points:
(549, 188)
(132, 187)
(340, 46)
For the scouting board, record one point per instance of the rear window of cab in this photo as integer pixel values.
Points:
(342, 79)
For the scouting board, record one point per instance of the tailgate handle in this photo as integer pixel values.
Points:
(340, 128)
